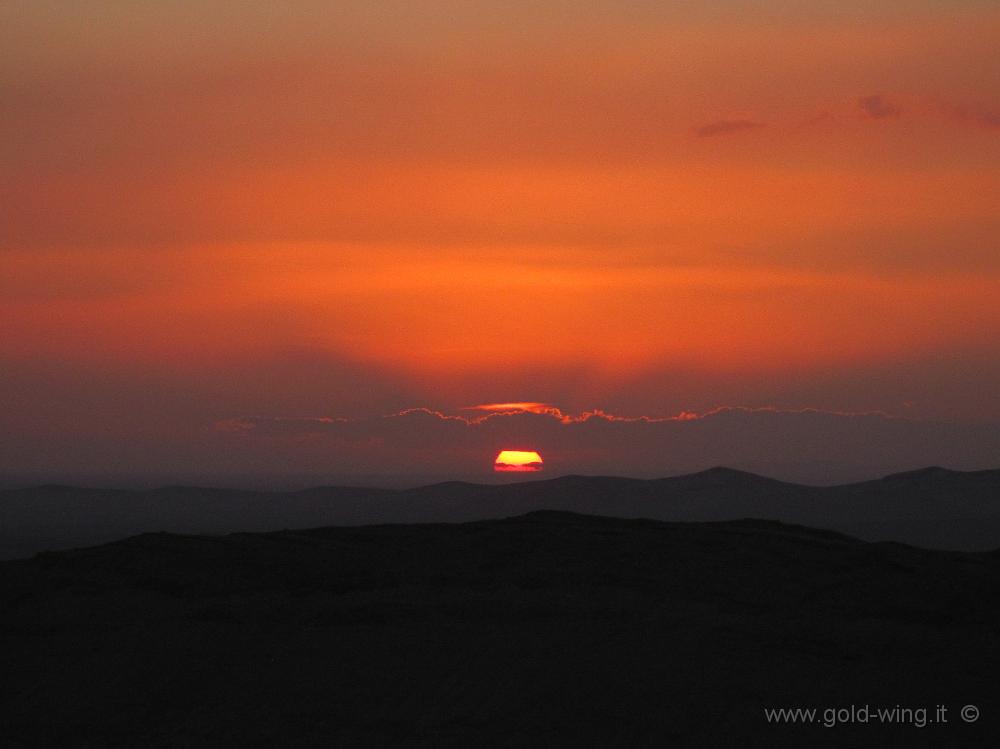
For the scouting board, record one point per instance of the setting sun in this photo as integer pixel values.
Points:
(518, 460)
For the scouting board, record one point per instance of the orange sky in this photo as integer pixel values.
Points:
(601, 204)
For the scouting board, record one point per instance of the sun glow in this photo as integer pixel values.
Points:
(518, 460)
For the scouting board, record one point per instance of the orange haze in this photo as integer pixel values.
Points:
(354, 208)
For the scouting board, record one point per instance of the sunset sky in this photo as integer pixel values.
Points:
(251, 237)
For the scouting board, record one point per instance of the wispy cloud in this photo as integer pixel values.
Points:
(513, 409)
(278, 423)
(726, 127)
(879, 107)
(975, 114)
(874, 107)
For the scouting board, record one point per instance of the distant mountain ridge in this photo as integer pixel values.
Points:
(934, 507)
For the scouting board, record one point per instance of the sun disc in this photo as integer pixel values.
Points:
(518, 460)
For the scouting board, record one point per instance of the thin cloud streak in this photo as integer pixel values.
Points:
(502, 410)
(726, 127)
(879, 107)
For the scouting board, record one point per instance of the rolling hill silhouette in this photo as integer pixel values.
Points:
(933, 507)
(547, 629)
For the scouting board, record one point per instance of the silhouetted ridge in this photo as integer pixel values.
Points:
(55, 489)
(550, 629)
(446, 486)
(561, 517)
(723, 474)
(923, 474)
(934, 507)
(214, 491)
(926, 479)
(581, 480)
(721, 477)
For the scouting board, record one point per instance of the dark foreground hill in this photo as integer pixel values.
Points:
(546, 630)
(934, 507)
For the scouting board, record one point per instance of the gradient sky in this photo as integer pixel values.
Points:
(216, 217)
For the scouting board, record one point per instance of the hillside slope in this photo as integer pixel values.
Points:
(550, 629)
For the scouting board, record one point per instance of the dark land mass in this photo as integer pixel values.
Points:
(550, 629)
(933, 507)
